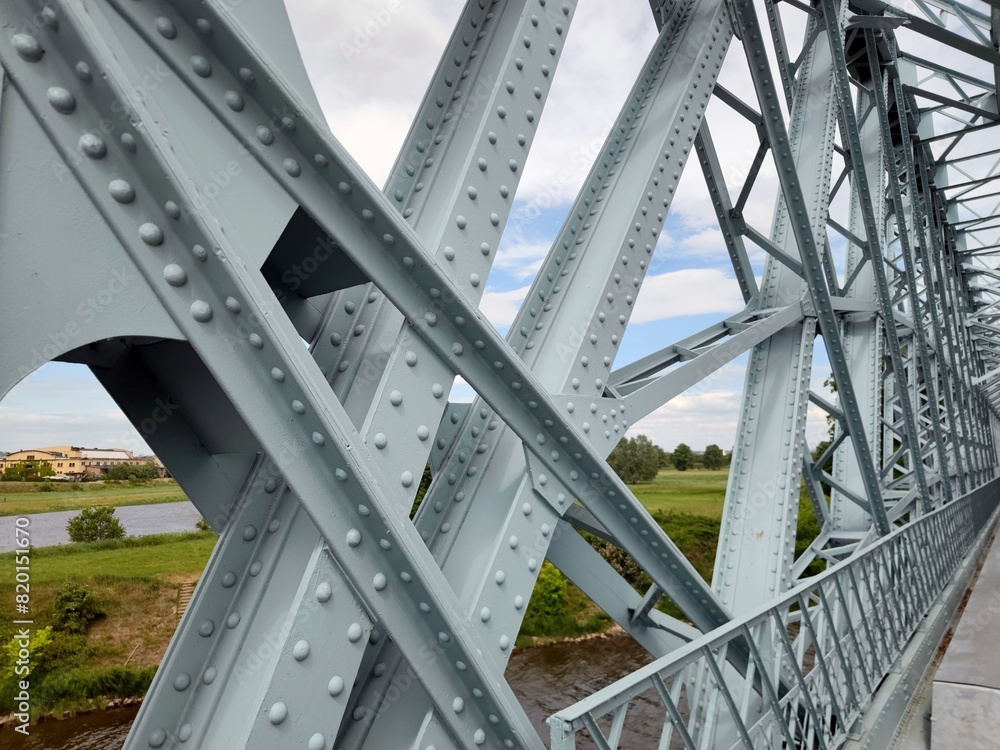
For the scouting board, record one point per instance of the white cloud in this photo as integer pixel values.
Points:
(691, 291)
(501, 307)
(522, 259)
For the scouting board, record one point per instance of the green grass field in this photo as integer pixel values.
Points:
(135, 583)
(21, 498)
(694, 491)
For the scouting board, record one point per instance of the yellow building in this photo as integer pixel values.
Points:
(74, 461)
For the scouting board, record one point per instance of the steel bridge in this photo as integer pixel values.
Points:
(302, 416)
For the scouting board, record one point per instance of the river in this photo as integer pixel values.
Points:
(545, 680)
(48, 529)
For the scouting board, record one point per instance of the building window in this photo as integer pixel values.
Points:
(72, 464)
(59, 465)
(31, 456)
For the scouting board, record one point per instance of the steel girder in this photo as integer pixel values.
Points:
(307, 461)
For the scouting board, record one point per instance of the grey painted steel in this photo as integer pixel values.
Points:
(846, 664)
(322, 597)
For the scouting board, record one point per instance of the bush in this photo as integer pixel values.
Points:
(547, 612)
(76, 609)
(202, 525)
(95, 525)
(46, 487)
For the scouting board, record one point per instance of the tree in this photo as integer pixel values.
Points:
(124, 471)
(94, 525)
(28, 471)
(713, 458)
(636, 459)
(683, 457)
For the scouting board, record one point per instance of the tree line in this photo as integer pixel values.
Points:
(638, 459)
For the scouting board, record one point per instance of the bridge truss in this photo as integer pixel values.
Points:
(327, 617)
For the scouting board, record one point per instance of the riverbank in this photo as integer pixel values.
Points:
(103, 614)
(25, 498)
(133, 588)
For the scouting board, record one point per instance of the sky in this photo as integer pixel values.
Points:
(370, 62)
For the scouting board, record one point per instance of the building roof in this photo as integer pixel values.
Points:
(105, 455)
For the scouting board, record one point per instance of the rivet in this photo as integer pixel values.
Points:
(406, 478)
(151, 234)
(204, 26)
(277, 374)
(121, 191)
(264, 135)
(201, 66)
(484, 614)
(500, 577)
(157, 737)
(233, 620)
(277, 713)
(316, 742)
(206, 628)
(166, 28)
(255, 341)
(300, 651)
(228, 579)
(324, 592)
(93, 146)
(172, 210)
(182, 681)
(202, 311)
(379, 581)
(249, 532)
(292, 167)
(234, 101)
(62, 100)
(247, 75)
(354, 632)
(210, 674)
(336, 686)
(185, 732)
(83, 72)
(395, 398)
(233, 305)
(256, 568)
(380, 440)
(128, 142)
(27, 47)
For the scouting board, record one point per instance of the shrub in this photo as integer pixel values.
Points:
(94, 525)
(547, 612)
(202, 525)
(46, 487)
(76, 609)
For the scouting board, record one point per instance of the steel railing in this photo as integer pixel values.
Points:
(818, 653)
